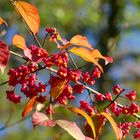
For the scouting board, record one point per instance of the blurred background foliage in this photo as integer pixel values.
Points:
(112, 26)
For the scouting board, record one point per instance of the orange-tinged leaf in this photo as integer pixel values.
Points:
(72, 129)
(3, 21)
(87, 117)
(80, 41)
(57, 88)
(29, 106)
(98, 122)
(96, 54)
(86, 55)
(19, 41)
(29, 14)
(113, 124)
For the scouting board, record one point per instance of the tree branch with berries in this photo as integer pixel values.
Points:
(64, 83)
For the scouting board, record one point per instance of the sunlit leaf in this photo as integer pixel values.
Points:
(29, 106)
(72, 129)
(4, 56)
(3, 21)
(91, 56)
(39, 118)
(96, 54)
(86, 55)
(19, 41)
(57, 88)
(98, 122)
(78, 40)
(29, 14)
(87, 117)
(113, 124)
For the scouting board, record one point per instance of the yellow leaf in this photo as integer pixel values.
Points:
(98, 122)
(29, 14)
(96, 54)
(3, 21)
(80, 41)
(19, 41)
(113, 123)
(86, 55)
(91, 56)
(29, 106)
(87, 117)
(57, 88)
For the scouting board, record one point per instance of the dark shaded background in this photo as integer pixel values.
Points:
(112, 26)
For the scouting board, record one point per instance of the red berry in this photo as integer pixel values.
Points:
(108, 96)
(78, 88)
(116, 89)
(96, 73)
(13, 97)
(131, 95)
(99, 97)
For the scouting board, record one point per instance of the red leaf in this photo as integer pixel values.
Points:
(28, 53)
(29, 106)
(88, 138)
(39, 118)
(72, 129)
(29, 13)
(4, 56)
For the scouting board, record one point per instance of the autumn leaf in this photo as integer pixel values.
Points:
(113, 124)
(57, 87)
(29, 14)
(72, 129)
(90, 56)
(39, 118)
(78, 40)
(3, 21)
(87, 117)
(19, 41)
(96, 54)
(29, 106)
(98, 122)
(4, 56)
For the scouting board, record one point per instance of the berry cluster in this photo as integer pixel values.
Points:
(137, 127)
(30, 87)
(52, 32)
(124, 128)
(37, 54)
(86, 107)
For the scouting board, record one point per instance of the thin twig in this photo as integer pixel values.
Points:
(72, 59)
(13, 124)
(44, 40)
(18, 55)
(114, 99)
